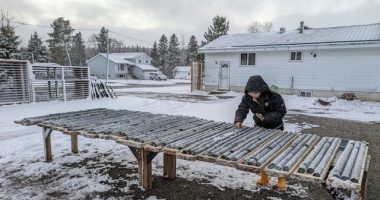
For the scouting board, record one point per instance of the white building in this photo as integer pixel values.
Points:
(322, 61)
(181, 72)
(122, 65)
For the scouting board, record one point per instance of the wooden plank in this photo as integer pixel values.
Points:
(363, 192)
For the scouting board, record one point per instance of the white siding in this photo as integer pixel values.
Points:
(334, 69)
(98, 67)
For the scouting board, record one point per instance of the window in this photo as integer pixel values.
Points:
(305, 93)
(295, 56)
(139, 61)
(146, 61)
(120, 67)
(247, 59)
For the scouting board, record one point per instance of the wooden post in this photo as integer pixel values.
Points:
(264, 179)
(140, 165)
(74, 142)
(170, 162)
(165, 164)
(146, 161)
(281, 183)
(47, 143)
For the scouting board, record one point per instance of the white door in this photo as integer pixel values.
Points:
(224, 75)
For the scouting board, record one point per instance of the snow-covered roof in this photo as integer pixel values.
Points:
(46, 65)
(182, 68)
(369, 33)
(122, 58)
(146, 67)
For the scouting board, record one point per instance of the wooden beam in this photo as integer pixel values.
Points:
(146, 161)
(74, 142)
(165, 164)
(170, 163)
(46, 132)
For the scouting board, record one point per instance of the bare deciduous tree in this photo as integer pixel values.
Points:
(260, 27)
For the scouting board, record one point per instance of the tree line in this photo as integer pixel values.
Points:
(66, 46)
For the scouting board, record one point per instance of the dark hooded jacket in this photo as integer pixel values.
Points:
(271, 105)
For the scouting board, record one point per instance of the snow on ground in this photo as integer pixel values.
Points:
(175, 89)
(21, 149)
(362, 111)
(125, 82)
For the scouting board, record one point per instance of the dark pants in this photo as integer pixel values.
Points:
(281, 127)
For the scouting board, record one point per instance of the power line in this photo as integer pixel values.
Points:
(147, 42)
(86, 29)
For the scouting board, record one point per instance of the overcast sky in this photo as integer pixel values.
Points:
(149, 19)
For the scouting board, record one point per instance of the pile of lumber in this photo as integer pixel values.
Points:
(349, 96)
(100, 89)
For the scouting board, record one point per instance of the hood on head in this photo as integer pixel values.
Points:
(256, 84)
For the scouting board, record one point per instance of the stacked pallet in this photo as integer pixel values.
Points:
(101, 90)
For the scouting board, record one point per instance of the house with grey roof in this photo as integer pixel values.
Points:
(181, 72)
(311, 62)
(122, 65)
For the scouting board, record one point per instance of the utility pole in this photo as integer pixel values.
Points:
(108, 61)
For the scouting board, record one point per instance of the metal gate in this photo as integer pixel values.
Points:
(14, 82)
(55, 82)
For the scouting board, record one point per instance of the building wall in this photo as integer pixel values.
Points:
(147, 74)
(98, 67)
(331, 70)
(181, 75)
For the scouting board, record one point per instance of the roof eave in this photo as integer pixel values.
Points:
(293, 46)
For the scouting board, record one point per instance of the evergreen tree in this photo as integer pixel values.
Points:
(173, 50)
(8, 38)
(192, 49)
(163, 50)
(36, 50)
(154, 55)
(78, 50)
(220, 26)
(101, 40)
(60, 40)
